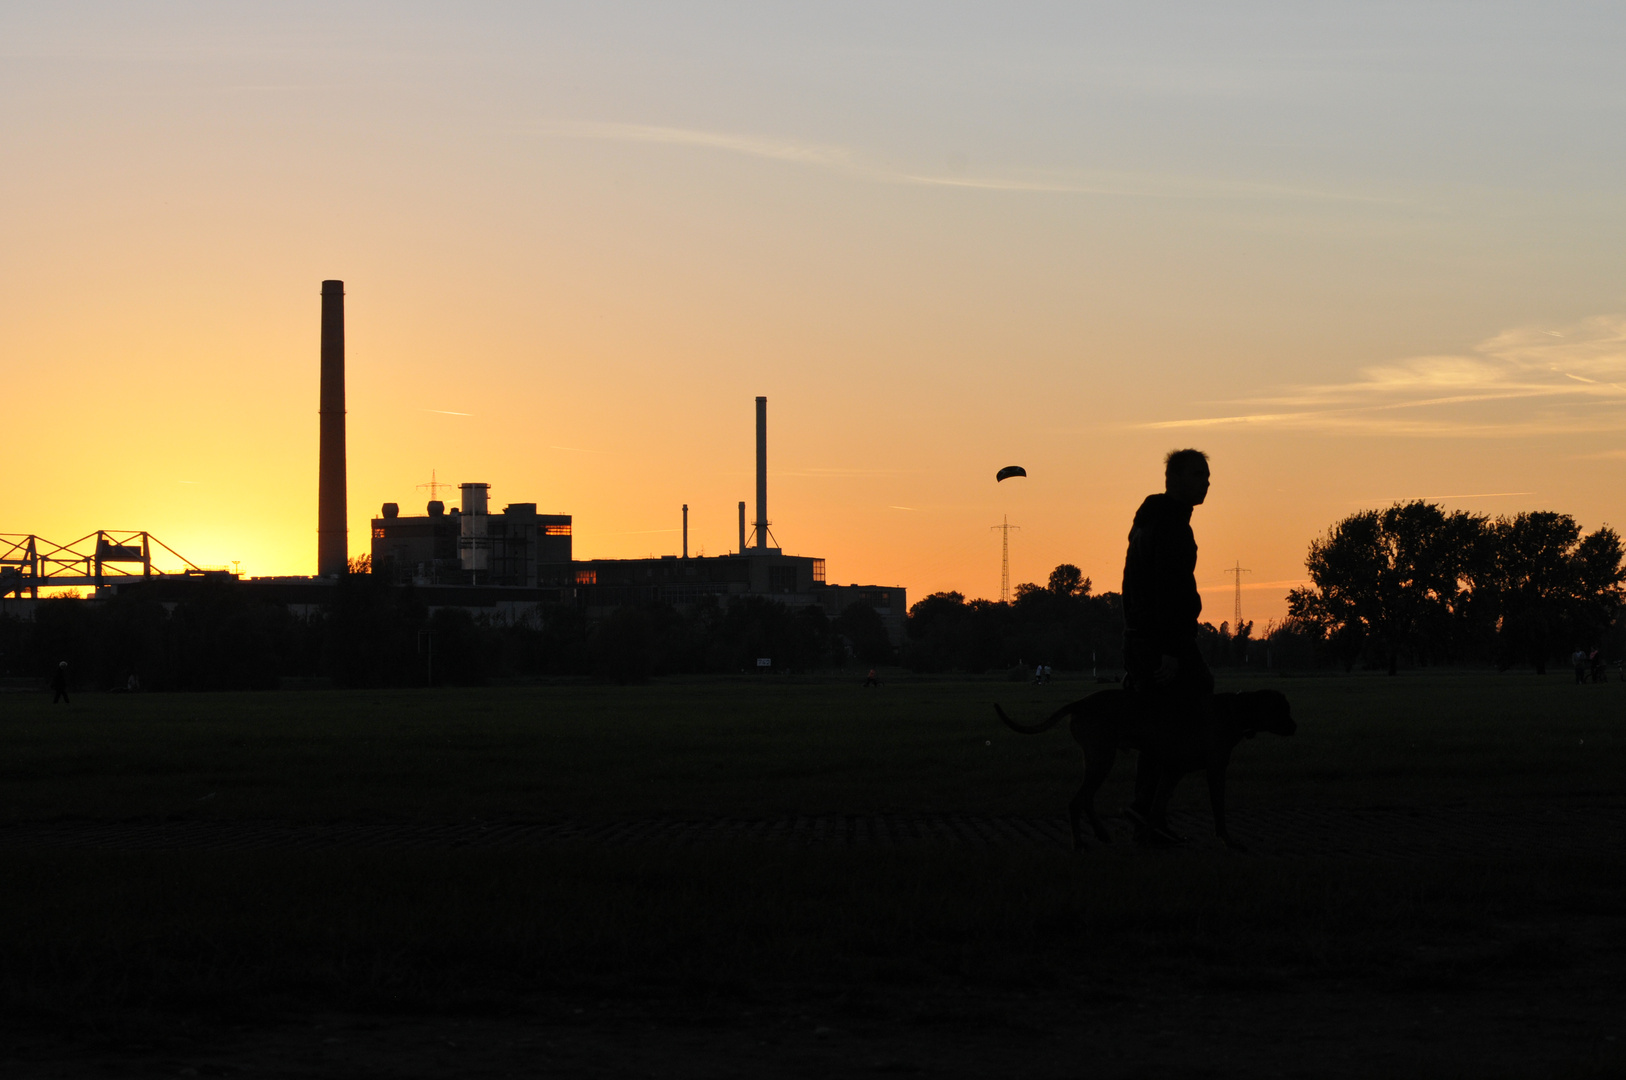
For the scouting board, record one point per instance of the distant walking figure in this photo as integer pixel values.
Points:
(1578, 659)
(872, 680)
(59, 684)
(1162, 665)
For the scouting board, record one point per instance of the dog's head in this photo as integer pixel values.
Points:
(1264, 710)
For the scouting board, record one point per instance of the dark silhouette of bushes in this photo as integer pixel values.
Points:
(1061, 624)
(221, 636)
(862, 631)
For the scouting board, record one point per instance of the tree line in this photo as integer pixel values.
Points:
(1412, 584)
(221, 636)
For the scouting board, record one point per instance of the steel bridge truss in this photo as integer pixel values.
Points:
(29, 563)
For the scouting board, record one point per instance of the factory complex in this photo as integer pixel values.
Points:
(507, 566)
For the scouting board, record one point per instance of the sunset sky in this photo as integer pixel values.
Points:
(1359, 253)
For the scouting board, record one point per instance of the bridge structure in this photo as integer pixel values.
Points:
(29, 563)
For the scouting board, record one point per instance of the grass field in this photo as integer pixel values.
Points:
(745, 959)
(767, 747)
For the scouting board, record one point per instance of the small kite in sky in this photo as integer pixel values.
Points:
(1009, 471)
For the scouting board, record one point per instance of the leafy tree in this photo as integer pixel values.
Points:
(1389, 581)
(1415, 581)
(1223, 648)
(1068, 580)
(863, 627)
(1548, 587)
(1061, 624)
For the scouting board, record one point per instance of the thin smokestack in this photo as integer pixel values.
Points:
(762, 474)
(332, 528)
(742, 526)
(685, 530)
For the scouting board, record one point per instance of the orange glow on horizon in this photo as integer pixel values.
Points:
(1087, 246)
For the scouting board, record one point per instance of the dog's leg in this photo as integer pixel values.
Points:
(1075, 810)
(1167, 778)
(1216, 798)
(1146, 780)
(1097, 768)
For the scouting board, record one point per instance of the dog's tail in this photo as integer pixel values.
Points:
(1033, 729)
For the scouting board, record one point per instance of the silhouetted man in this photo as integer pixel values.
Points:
(59, 684)
(1161, 604)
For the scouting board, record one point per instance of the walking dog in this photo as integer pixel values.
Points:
(1110, 720)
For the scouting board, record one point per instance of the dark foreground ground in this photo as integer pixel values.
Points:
(753, 878)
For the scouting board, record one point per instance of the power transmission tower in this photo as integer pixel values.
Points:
(1005, 559)
(1238, 570)
(434, 486)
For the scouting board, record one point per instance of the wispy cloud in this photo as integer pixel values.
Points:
(1248, 586)
(1521, 382)
(845, 160)
(448, 412)
(841, 472)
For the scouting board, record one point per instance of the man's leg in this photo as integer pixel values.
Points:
(1153, 779)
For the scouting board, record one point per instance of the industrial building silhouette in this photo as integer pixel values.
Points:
(505, 566)
(508, 563)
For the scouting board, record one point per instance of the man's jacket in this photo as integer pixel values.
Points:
(1161, 602)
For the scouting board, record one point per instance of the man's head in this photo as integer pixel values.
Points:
(1185, 476)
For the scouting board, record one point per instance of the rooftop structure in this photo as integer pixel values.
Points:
(469, 546)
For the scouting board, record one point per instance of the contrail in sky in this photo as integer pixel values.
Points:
(843, 159)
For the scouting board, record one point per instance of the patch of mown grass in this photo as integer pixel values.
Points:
(449, 931)
(765, 748)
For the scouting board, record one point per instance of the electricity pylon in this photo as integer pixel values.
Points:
(1238, 570)
(435, 485)
(1005, 559)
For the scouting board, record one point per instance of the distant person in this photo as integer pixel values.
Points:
(132, 684)
(1578, 660)
(59, 684)
(1595, 658)
(872, 680)
(1046, 673)
(1163, 667)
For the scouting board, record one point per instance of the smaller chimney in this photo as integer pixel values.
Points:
(685, 530)
(473, 548)
(742, 526)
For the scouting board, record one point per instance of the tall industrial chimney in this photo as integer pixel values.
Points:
(332, 529)
(685, 530)
(742, 527)
(762, 474)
